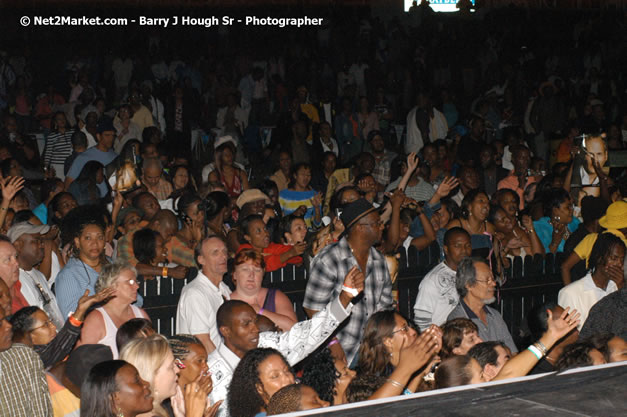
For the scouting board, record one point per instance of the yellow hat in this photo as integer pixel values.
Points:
(615, 216)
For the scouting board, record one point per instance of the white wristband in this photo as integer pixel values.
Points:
(351, 291)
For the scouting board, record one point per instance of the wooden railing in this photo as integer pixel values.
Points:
(530, 281)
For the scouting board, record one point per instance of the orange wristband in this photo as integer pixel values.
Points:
(74, 321)
(164, 272)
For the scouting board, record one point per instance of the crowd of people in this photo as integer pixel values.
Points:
(216, 166)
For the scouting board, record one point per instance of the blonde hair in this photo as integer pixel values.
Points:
(147, 355)
(111, 272)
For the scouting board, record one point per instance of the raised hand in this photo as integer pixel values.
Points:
(86, 301)
(562, 325)
(412, 161)
(448, 185)
(10, 187)
(527, 222)
(397, 198)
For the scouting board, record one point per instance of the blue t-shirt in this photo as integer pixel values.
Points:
(544, 230)
(91, 154)
(41, 211)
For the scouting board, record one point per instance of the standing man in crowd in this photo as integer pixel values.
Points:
(363, 231)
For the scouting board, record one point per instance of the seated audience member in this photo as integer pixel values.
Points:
(32, 327)
(362, 387)
(474, 219)
(458, 370)
(391, 348)
(128, 220)
(258, 376)
(237, 323)
(292, 230)
(491, 357)
(328, 376)
(60, 205)
(102, 152)
(248, 272)
(225, 170)
(147, 203)
(518, 179)
(295, 397)
(20, 363)
(164, 222)
(512, 243)
(437, 295)
(191, 212)
(66, 378)
(49, 189)
(250, 202)
(614, 221)
(201, 298)
(254, 234)
(579, 354)
(115, 388)
(613, 348)
(149, 249)
(604, 277)
(190, 356)
(592, 209)
(156, 365)
(133, 328)
(299, 198)
(458, 336)
(608, 316)
(91, 186)
(84, 231)
(101, 325)
(27, 241)
(558, 222)
(154, 180)
(476, 285)
(538, 322)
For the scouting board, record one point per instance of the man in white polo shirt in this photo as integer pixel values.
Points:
(201, 298)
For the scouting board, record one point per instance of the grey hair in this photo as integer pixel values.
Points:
(466, 275)
(110, 273)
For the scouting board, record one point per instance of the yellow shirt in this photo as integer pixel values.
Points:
(339, 177)
(584, 247)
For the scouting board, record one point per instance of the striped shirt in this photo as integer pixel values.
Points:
(58, 147)
(23, 386)
(291, 200)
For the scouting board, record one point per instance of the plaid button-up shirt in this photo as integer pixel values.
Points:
(23, 386)
(328, 271)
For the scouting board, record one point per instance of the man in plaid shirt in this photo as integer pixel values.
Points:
(363, 230)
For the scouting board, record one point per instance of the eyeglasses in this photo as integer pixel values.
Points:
(404, 329)
(48, 323)
(486, 281)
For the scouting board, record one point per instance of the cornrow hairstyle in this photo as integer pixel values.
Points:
(180, 344)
